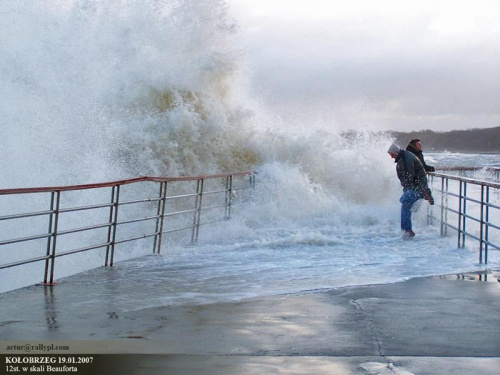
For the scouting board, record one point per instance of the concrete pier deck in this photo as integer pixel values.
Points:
(433, 325)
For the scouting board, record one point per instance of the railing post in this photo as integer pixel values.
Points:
(161, 215)
(464, 216)
(158, 218)
(487, 225)
(444, 206)
(429, 207)
(459, 213)
(114, 225)
(447, 205)
(481, 226)
(229, 189)
(202, 181)
(197, 213)
(110, 221)
(49, 239)
(54, 240)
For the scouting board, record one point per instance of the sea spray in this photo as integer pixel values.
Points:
(94, 91)
(98, 91)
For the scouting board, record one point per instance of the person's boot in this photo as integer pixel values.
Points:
(409, 233)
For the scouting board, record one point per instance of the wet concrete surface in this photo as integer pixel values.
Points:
(435, 325)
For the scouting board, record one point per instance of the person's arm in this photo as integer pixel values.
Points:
(427, 168)
(418, 170)
(400, 172)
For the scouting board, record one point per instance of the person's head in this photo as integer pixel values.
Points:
(416, 143)
(393, 151)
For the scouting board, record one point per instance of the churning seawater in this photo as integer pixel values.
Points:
(259, 253)
(98, 91)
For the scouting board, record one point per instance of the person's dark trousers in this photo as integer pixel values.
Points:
(407, 200)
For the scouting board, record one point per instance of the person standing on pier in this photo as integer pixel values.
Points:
(415, 147)
(411, 173)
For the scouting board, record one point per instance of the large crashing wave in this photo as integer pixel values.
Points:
(100, 90)
(94, 91)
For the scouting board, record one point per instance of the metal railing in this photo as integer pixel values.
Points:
(494, 172)
(472, 205)
(224, 188)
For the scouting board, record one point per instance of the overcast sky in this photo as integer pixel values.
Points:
(386, 64)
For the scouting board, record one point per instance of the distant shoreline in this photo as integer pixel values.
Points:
(471, 141)
(463, 152)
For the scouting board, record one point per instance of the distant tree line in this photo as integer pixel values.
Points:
(471, 140)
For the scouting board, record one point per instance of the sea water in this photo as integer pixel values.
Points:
(98, 91)
(262, 252)
(277, 246)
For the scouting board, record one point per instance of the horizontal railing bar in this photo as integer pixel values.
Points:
(470, 235)
(104, 205)
(180, 212)
(116, 183)
(203, 177)
(485, 204)
(136, 238)
(492, 245)
(452, 194)
(181, 196)
(492, 205)
(83, 229)
(21, 216)
(472, 200)
(27, 261)
(83, 208)
(51, 189)
(241, 188)
(472, 218)
(468, 180)
(63, 253)
(178, 229)
(450, 226)
(468, 168)
(138, 220)
(492, 225)
(446, 208)
(30, 238)
(145, 200)
(214, 192)
(447, 192)
(452, 210)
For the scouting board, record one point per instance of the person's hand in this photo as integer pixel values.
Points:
(428, 196)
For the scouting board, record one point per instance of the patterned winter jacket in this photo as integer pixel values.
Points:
(410, 171)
